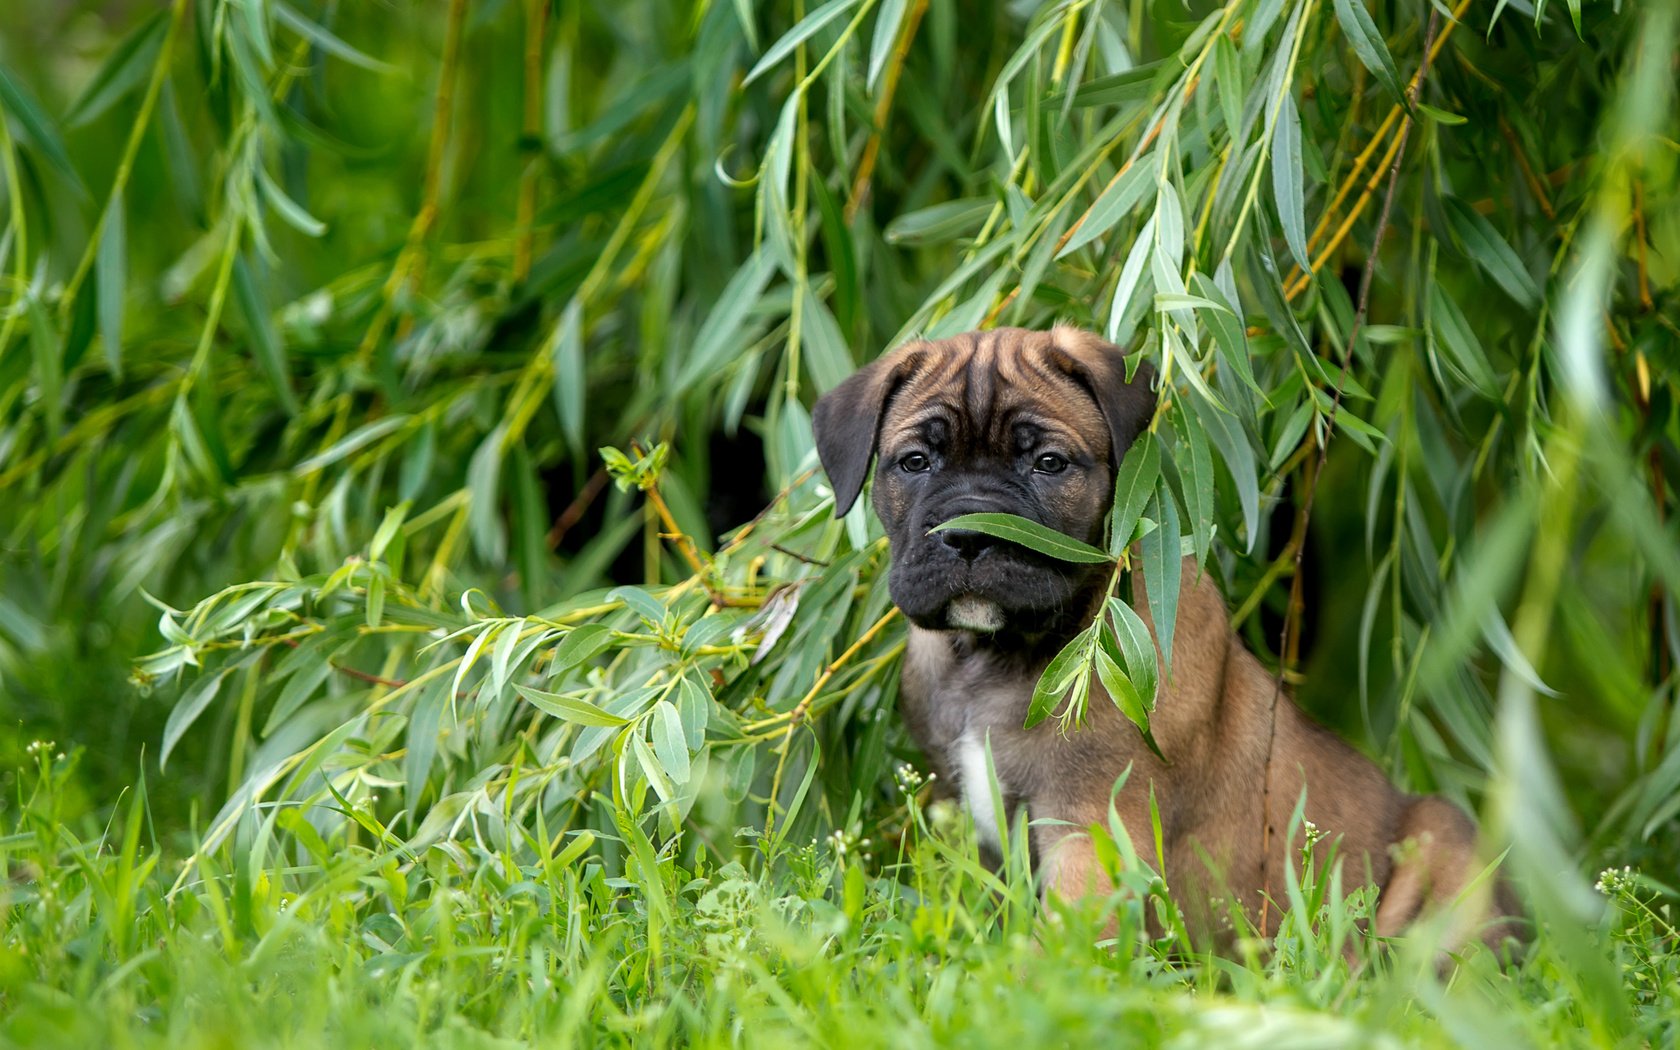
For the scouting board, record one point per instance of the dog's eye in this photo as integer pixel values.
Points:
(914, 463)
(1050, 463)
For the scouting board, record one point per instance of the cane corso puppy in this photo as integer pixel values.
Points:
(1035, 424)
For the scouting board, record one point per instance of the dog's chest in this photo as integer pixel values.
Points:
(966, 716)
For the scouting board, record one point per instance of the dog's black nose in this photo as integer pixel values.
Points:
(967, 542)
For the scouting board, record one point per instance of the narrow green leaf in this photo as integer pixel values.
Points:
(291, 212)
(657, 777)
(1129, 85)
(1169, 234)
(36, 124)
(265, 341)
(481, 638)
(889, 23)
(1229, 437)
(739, 773)
(1124, 692)
(1161, 570)
(639, 601)
(1137, 649)
(124, 69)
(1186, 301)
(744, 15)
(1132, 487)
(1198, 487)
(376, 600)
(569, 707)
(1287, 180)
(581, 643)
(1114, 681)
(1059, 677)
(1115, 203)
(1440, 116)
(502, 657)
(186, 711)
(322, 38)
(484, 514)
(1484, 244)
(1227, 71)
(669, 744)
(694, 705)
(826, 358)
(939, 223)
(1504, 645)
(1226, 325)
(1029, 534)
(421, 740)
(1122, 317)
(717, 336)
(357, 439)
(387, 530)
(797, 35)
(300, 687)
(1450, 330)
(568, 375)
(1359, 430)
(111, 282)
(254, 17)
(49, 365)
(1368, 45)
(1265, 16)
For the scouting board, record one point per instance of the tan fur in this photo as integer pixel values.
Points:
(1213, 717)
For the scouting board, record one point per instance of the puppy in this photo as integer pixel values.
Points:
(1035, 424)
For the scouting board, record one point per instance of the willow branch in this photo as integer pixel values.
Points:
(1291, 620)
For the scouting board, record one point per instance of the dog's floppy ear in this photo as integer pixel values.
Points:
(1126, 406)
(847, 422)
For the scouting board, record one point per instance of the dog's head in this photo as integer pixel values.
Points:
(1023, 422)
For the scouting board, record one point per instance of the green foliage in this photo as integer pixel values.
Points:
(1029, 534)
(355, 936)
(311, 313)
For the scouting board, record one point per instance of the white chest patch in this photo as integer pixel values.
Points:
(975, 614)
(977, 788)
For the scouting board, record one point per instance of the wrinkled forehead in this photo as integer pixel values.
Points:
(994, 390)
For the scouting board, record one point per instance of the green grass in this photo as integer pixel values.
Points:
(387, 394)
(358, 941)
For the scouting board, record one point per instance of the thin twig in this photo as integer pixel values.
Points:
(352, 672)
(1292, 614)
(363, 676)
(443, 108)
(806, 558)
(1298, 283)
(1535, 186)
(575, 509)
(685, 543)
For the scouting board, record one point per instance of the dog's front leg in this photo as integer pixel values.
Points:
(1067, 858)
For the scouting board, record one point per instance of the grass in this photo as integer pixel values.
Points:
(485, 941)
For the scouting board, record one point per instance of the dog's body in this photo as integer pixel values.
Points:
(1035, 424)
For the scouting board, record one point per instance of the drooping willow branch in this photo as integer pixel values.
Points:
(1291, 619)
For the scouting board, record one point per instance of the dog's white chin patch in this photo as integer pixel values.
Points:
(969, 613)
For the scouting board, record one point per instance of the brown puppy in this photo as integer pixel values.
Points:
(1034, 424)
